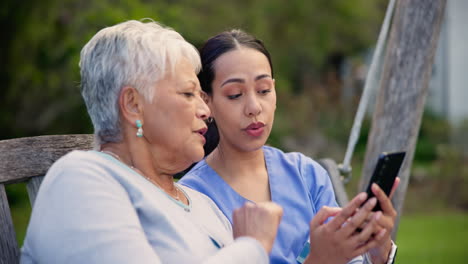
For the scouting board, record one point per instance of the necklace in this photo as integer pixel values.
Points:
(117, 157)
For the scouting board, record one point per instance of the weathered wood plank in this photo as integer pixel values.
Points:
(9, 252)
(406, 73)
(335, 177)
(22, 158)
(32, 187)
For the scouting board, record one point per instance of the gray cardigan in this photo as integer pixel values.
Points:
(91, 208)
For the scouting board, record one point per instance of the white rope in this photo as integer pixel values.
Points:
(372, 79)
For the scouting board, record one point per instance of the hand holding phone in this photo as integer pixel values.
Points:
(386, 170)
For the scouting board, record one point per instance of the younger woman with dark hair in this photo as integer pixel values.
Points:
(237, 77)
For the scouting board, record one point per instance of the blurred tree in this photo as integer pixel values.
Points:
(42, 41)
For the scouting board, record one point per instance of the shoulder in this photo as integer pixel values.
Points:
(77, 159)
(298, 165)
(81, 172)
(74, 161)
(294, 159)
(85, 163)
(198, 176)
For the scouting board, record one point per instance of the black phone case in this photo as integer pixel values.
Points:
(385, 172)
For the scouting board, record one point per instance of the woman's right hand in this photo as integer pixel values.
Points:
(260, 221)
(339, 241)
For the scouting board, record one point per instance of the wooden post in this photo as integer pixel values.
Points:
(403, 88)
(9, 252)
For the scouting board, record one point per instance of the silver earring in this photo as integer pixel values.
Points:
(209, 120)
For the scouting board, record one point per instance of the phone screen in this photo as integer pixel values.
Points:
(386, 170)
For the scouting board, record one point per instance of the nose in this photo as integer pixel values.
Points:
(252, 107)
(203, 111)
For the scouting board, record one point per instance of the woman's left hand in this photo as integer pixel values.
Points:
(386, 221)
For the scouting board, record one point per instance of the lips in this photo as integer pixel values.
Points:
(255, 129)
(202, 132)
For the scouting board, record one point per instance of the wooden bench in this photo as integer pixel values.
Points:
(335, 177)
(27, 160)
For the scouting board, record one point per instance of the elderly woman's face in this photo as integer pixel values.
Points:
(174, 121)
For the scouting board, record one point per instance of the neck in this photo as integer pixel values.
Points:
(142, 164)
(245, 172)
(229, 162)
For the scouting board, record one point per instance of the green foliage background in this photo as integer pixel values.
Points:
(39, 91)
(42, 41)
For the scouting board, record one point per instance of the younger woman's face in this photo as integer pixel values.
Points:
(243, 99)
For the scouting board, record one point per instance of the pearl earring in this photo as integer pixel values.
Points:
(139, 132)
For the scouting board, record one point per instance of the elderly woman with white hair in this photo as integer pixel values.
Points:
(119, 202)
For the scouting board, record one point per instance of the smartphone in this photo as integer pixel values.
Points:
(386, 170)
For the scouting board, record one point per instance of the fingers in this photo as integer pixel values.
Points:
(384, 200)
(365, 234)
(259, 221)
(272, 209)
(386, 220)
(239, 220)
(359, 218)
(369, 244)
(323, 214)
(371, 236)
(338, 240)
(396, 183)
(251, 213)
(347, 211)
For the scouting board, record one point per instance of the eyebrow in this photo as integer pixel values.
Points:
(262, 76)
(190, 84)
(239, 80)
(233, 80)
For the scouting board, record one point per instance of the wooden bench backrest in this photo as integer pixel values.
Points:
(338, 186)
(27, 160)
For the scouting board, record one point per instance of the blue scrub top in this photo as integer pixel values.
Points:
(297, 183)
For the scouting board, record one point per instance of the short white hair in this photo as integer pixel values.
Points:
(132, 53)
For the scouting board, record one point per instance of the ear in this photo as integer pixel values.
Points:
(131, 105)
